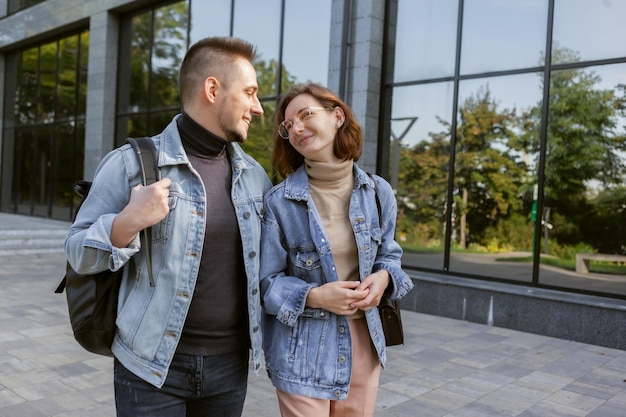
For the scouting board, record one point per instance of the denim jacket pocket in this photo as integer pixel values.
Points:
(307, 259)
(306, 264)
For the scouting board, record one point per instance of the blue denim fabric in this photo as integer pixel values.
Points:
(308, 351)
(150, 319)
(196, 386)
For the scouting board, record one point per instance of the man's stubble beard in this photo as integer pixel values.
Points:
(234, 136)
(231, 134)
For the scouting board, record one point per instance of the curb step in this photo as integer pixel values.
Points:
(32, 241)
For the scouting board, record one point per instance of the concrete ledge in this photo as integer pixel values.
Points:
(582, 260)
(577, 317)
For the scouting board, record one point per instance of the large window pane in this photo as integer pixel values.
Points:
(584, 176)
(217, 12)
(135, 97)
(316, 22)
(426, 39)
(64, 175)
(494, 178)
(420, 154)
(22, 187)
(32, 179)
(69, 148)
(594, 29)
(153, 45)
(168, 49)
(49, 96)
(26, 93)
(503, 35)
(265, 37)
(41, 174)
(66, 87)
(81, 77)
(47, 82)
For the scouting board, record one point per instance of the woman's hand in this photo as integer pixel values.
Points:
(338, 297)
(375, 285)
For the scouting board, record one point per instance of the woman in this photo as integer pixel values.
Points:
(325, 262)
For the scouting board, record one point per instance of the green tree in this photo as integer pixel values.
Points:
(584, 144)
(488, 174)
(605, 228)
(422, 179)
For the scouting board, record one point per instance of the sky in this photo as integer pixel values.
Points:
(307, 31)
(499, 35)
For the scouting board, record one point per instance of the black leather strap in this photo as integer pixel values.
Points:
(148, 159)
(150, 173)
(380, 212)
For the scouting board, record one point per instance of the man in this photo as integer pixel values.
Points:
(183, 338)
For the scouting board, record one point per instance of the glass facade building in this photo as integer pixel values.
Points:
(507, 139)
(501, 125)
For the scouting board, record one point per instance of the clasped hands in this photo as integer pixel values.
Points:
(347, 297)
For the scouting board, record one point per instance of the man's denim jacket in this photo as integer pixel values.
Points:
(308, 351)
(150, 318)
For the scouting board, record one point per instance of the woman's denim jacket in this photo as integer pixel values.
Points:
(150, 318)
(308, 350)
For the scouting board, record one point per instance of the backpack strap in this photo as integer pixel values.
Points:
(150, 173)
(148, 159)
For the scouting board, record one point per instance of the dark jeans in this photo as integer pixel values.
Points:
(196, 386)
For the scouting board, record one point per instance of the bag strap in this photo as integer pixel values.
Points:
(380, 212)
(150, 173)
(148, 159)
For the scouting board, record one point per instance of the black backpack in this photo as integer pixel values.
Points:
(92, 299)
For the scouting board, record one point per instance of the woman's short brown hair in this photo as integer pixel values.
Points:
(348, 142)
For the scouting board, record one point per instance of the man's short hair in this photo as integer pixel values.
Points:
(210, 57)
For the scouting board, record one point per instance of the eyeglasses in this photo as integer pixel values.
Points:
(284, 128)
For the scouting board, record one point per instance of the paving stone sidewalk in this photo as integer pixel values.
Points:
(447, 368)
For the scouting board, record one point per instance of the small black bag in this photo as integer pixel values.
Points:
(392, 321)
(92, 299)
(389, 309)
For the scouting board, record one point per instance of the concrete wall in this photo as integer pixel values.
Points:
(577, 317)
(101, 89)
(362, 47)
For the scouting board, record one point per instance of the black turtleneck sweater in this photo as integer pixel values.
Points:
(217, 321)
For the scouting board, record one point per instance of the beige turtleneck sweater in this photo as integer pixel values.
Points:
(331, 187)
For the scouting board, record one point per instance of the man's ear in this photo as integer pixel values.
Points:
(211, 85)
